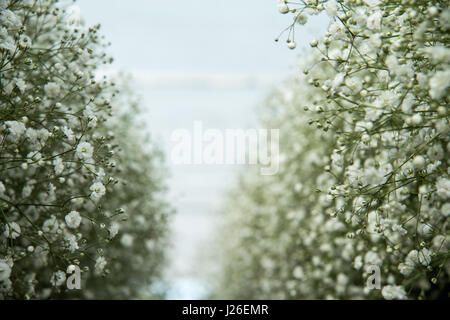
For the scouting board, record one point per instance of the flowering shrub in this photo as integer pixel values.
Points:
(62, 180)
(375, 89)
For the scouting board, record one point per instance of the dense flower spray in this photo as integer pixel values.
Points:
(58, 154)
(376, 191)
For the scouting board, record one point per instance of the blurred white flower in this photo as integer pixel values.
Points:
(439, 84)
(58, 278)
(443, 188)
(100, 264)
(127, 240)
(52, 89)
(391, 292)
(374, 20)
(12, 230)
(113, 229)
(5, 271)
(283, 7)
(84, 151)
(73, 219)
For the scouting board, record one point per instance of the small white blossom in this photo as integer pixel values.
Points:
(52, 89)
(391, 292)
(5, 271)
(97, 190)
(374, 20)
(73, 219)
(283, 7)
(84, 151)
(58, 278)
(113, 229)
(425, 256)
(443, 188)
(439, 84)
(127, 240)
(12, 230)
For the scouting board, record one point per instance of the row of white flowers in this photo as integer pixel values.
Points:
(59, 157)
(367, 183)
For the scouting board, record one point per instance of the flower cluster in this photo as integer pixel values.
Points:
(375, 192)
(57, 152)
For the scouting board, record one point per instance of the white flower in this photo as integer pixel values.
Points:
(90, 114)
(445, 209)
(68, 133)
(301, 18)
(100, 264)
(425, 256)
(331, 7)
(58, 165)
(84, 151)
(438, 54)
(372, 258)
(338, 80)
(358, 262)
(71, 241)
(20, 83)
(52, 89)
(73, 219)
(416, 119)
(405, 268)
(113, 229)
(58, 278)
(24, 42)
(283, 7)
(439, 84)
(5, 271)
(354, 84)
(16, 128)
(12, 230)
(98, 190)
(2, 188)
(127, 240)
(5, 286)
(50, 225)
(413, 257)
(419, 162)
(298, 272)
(443, 188)
(390, 292)
(34, 157)
(10, 19)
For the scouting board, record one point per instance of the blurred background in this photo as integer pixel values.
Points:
(211, 61)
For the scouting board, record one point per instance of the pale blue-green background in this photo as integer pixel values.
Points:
(207, 60)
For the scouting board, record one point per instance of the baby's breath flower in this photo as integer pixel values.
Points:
(12, 230)
(58, 278)
(97, 191)
(84, 151)
(391, 292)
(100, 264)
